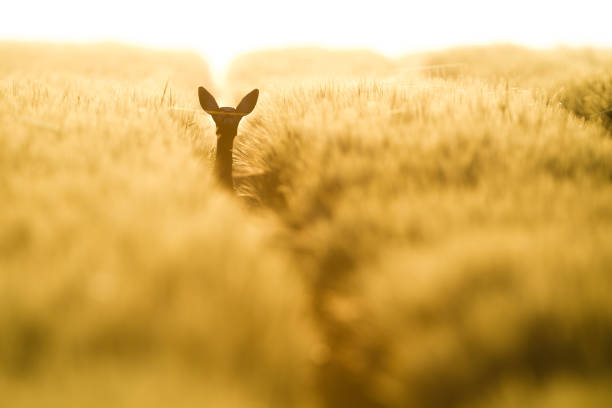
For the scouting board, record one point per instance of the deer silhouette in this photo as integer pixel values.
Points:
(227, 120)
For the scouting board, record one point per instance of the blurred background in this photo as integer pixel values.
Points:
(222, 31)
(422, 218)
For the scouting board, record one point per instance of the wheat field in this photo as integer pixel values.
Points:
(431, 231)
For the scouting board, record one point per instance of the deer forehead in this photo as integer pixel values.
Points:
(226, 110)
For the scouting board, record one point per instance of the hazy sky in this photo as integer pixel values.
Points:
(222, 29)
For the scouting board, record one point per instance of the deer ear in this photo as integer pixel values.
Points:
(207, 101)
(247, 104)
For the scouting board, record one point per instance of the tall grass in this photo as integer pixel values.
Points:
(412, 240)
(127, 277)
(590, 98)
(547, 69)
(285, 67)
(456, 236)
(147, 67)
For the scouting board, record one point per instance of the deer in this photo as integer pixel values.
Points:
(227, 120)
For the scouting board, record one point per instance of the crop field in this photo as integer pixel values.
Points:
(430, 231)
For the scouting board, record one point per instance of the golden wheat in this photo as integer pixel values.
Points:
(427, 239)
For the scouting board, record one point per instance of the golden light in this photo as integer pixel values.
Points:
(222, 30)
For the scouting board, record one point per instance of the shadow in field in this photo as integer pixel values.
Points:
(590, 98)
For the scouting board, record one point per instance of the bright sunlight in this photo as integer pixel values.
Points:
(319, 204)
(223, 29)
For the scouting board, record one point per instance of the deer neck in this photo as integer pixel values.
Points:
(223, 161)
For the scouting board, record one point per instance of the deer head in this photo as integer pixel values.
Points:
(227, 120)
